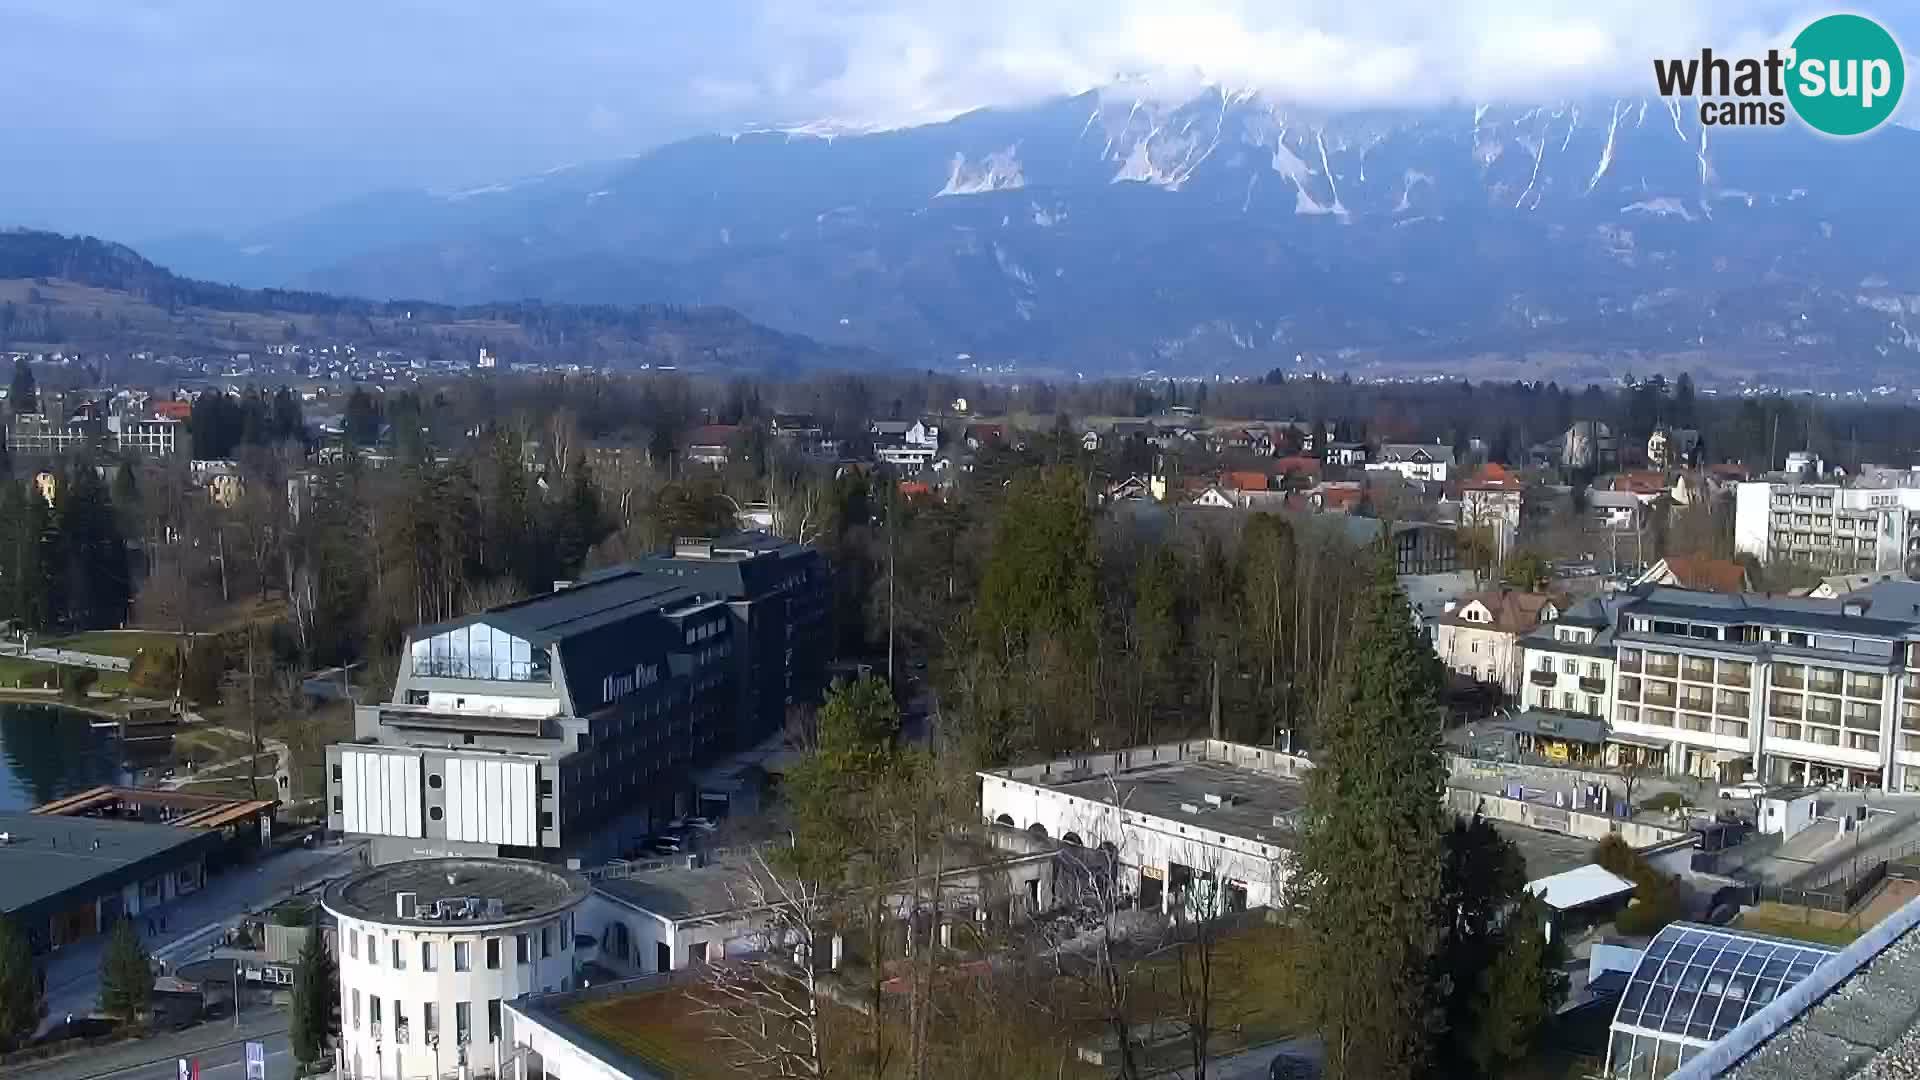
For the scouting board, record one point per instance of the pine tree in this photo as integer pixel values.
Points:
(1519, 992)
(315, 1018)
(24, 524)
(126, 974)
(23, 397)
(22, 1004)
(1369, 875)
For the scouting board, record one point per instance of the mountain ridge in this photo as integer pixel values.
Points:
(58, 290)
(1111, 233)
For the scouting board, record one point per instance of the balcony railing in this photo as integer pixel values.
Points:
(1779, 711)
(1824, 686)
(1629, 663)
(1593, 685)
(1735, 677)
(1661, 699)
(1730, 708)
(1543, 677)
(1667, 670)
(1789, 678)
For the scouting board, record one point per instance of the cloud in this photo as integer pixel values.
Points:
(259, 109)
(903, 62)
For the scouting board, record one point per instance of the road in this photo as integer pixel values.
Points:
(219, 1063)
(194, 922)
(1253, 1064)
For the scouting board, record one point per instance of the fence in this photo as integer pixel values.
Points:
(1842, 894)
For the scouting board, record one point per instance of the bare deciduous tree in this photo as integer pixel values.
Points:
(765, 1007)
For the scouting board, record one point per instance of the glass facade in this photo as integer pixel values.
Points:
(1692, 986)
(480, 652)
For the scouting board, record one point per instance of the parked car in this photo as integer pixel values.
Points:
(1749, 789)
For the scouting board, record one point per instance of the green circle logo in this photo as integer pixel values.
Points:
(1847, 74)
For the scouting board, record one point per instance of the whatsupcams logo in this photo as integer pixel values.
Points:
(1842, 76)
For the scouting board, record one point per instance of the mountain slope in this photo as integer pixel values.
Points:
(1110, 232)
(86, 294)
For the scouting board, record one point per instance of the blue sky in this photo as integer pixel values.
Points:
(137, 118)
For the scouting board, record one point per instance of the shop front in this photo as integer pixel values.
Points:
(1800, 772)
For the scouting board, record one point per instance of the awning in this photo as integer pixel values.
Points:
(1645, 741)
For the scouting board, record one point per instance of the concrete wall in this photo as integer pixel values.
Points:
(1550, 818)
(534, 1050)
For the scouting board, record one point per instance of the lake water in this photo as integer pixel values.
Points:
(47, 751)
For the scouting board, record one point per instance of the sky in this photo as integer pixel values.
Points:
(141, 118)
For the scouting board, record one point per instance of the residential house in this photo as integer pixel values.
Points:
(1336, 497)
(1347, 454)
(1480, 637)
(1414, 461)
(1569, 661)
(1298, 465)
(795, 426)
(1699, 574)
(712, 444)
(977, 436)
(908, 446)
(1590, 444)
(1620, 510)
(1133, 487)
(1216, 496)
(1493, 500)
(1245, 481)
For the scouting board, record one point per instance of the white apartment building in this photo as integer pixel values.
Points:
(431, 950)
(1790, 690)
(155, 436)
(1845, 529)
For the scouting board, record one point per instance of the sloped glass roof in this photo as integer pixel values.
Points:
(1696, 983)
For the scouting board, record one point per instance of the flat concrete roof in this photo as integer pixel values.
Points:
(526, 891)
(1255, 798)
(679, 893)
(1546, 853)
(49, 862)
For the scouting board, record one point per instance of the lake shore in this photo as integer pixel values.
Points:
(102, 709)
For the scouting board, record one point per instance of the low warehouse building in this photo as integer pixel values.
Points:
(67, 878)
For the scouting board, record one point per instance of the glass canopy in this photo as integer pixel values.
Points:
(479, 651)
(1692, 986)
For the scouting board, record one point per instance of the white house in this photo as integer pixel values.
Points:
(1414, 461)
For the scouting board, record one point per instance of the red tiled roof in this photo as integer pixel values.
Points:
(712, 435)
(1641, 483)
(1341, 498)
(1297, 464)
(913, 488)
(1707, 575)
(173, 410)
(1246, 481)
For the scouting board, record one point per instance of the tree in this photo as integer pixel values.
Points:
(23, 396)
(1369, 875)
(1519, 993)
(25, 520)
(1485, 874)
(126, 974)
(315, 1018)
(22, 1002)
(362, 418)
(98, 584)
(765, 1008)
(1525, 570)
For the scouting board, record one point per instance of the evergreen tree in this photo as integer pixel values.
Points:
(362, 420)
(22, 1004)
(94, 554)
(315, 1018)
(289, 424)
(1484, 876)
(1370, 871)
(1519, 992)
(126, 974)
(1039, 578)
(579, 522)
(23, 396)
(23, 582)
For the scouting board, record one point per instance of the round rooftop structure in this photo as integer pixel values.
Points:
(466, 893)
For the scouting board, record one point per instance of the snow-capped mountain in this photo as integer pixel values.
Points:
(1114, 231)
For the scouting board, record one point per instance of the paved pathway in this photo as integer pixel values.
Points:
(219, 1047)
(192, 922)
(65, 656)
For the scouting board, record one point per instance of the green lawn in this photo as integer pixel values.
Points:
(1837, 936)
(32, 674)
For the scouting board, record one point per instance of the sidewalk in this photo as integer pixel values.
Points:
(167, 1047)
(73, 973)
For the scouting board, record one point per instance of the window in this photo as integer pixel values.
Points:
(461, 962)
(373, 1009)
(462, 1022)
(429, 1022)
(519, 948)
(426, 956)
(356, 1010)
(493, 1020)
(1593, 670)
(353, 944)
(336, 773)
(1593, 705)
(546, 941)
(373, 951)
(1570, 667)
(434, 813)
(493, 954)
(433, 781)
(1475, 647)
(338, 806)
(546, 819)
(1566, 702)
(1544, 699)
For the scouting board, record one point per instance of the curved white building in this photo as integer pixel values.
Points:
(429, 950)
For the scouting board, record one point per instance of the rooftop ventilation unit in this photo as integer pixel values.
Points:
(406, 905)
